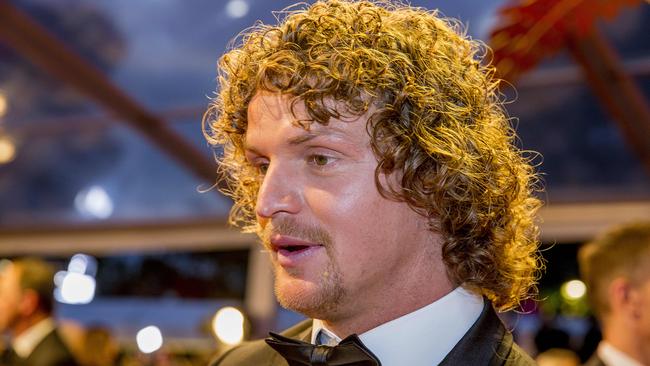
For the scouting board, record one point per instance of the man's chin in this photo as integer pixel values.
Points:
(310, 298)
(292, 291)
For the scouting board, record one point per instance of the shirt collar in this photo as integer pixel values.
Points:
(423, 337)
(25, 343)
(613, 356)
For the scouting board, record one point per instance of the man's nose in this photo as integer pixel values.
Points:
(279, 192)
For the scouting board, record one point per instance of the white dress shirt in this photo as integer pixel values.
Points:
(25, 343)
(423, 337)
(612, 356)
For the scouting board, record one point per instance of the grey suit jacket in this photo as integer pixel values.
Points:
(51, 351)
(487, 342)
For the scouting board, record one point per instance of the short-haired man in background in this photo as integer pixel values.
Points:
(26, 302)
(616, 269)
(366, 145)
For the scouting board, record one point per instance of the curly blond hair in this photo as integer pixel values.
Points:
(438, 122)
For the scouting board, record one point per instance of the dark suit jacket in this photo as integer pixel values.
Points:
(487, 342)
(51, 351)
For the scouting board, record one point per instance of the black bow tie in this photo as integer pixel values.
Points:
(349, 352)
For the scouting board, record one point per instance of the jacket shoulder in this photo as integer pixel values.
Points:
(257, 352)
(249, 353)
(52, 351)
(300, 330)
(519, 357)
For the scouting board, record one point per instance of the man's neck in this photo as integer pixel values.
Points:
(391, 306)
(628, 343)
(421, 280)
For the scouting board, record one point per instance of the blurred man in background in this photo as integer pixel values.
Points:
(616, 269)
(26, 304)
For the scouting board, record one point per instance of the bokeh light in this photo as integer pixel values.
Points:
(237, 8)
(94, 202)
(7, 149)
(4, 104)
(573, 290)
(228, 325)
(74, 288)
(149, 339)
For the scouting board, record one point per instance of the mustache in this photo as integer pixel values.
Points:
(289, 227)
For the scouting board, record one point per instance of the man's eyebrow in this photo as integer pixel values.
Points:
(312, 134)
(297, 140)
(248, 148)
(293, 141)
(300, 139)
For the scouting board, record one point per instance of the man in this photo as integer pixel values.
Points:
(366, 146)
(26, 302)
(616, 269)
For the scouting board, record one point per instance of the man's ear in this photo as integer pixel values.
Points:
(638, 302)
(623, 298)
(28, 303)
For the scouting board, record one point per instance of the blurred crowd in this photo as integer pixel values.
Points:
(615, 269)
(32, 337)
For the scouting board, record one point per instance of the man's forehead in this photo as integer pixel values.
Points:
(272, 109)
(275, 105)
(269, 105)
(301, 134)
(316, 129)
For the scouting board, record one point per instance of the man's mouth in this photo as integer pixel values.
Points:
(295, 248)
(290, 244)
(291, 251)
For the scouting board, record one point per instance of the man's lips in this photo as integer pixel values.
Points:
(293, 252)
(285, 242)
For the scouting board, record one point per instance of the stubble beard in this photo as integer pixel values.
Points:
(319, 300)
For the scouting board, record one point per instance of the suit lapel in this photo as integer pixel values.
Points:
(486, 340)
(305, 335)
(301, 331)
(44, 349)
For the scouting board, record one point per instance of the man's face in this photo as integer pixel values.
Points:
(338, 247)
(641, 310)
(10, 297)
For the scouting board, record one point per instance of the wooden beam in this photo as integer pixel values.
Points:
(573, 74)
(120, 238)
(579, 222)
(616, 90)
(19, 31)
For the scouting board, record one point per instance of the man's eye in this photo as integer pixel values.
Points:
(260, 167)
(319, 160)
